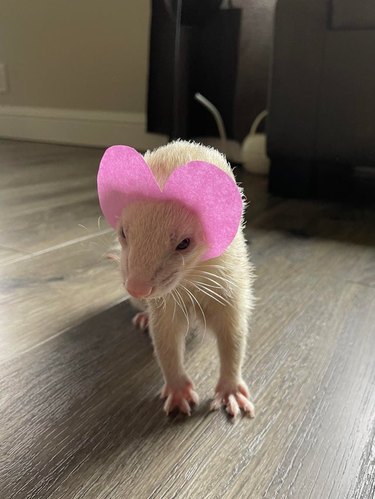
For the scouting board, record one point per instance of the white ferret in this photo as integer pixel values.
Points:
(161, 248)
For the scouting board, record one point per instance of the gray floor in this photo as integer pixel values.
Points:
(80, 416)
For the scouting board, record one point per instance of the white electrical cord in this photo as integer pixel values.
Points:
(217, 116)
(254, 149)
(257, 122)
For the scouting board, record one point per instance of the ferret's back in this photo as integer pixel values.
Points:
(165, 159)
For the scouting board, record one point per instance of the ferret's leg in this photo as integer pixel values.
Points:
(230, 326)
(168, 336)
(140, 320)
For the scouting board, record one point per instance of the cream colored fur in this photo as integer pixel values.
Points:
(222, 304)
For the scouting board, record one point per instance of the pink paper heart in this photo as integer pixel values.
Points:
(125, 177)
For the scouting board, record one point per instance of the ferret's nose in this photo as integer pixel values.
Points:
(138, 289)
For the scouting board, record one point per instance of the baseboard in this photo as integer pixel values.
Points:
(80, 127)
(89, 128)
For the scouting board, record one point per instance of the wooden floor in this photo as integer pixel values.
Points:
(79, 412)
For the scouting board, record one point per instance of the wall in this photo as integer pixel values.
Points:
(83, 54)
(77, 70)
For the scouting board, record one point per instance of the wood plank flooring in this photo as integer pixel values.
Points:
(79, 410)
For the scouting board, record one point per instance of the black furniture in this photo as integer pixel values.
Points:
(193, 48)
(321, 122)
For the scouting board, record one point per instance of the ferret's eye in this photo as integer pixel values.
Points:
(122, 234)
(183, 244)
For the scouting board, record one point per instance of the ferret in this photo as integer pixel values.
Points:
(161, 247)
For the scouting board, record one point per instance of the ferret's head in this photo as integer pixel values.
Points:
(161, 242)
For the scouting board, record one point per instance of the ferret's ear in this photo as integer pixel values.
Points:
(214, 196)
(123, 177)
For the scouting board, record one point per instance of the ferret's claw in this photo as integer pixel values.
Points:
(140, 321)
(182, 398)
(233, 398)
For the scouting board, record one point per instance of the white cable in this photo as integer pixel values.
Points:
(217, 116)
(257, 122)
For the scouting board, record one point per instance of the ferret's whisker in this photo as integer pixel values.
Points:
(211, 293)
(218, 286)
(183, 287)
(178, 303)
(205, 291)
(184, 305)
(228, 290)
(159, 301)
(174, 305)
(164, 303)
(186, 312)
(83, 226)
(199, 305)
(184, 309)
(191, 297)
(210, 290)
(225, 279)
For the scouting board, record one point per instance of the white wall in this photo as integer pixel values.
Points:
(75, 54)
(76, 70)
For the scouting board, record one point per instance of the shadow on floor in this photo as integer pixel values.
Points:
(100, 399)
(352, 221)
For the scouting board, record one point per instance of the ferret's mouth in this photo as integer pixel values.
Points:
(165, 287)
(158, 290)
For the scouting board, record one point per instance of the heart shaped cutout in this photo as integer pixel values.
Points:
(124, 177)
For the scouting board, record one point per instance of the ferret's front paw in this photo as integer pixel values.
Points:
(234, 397)
(181, 397)
(140, 321)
